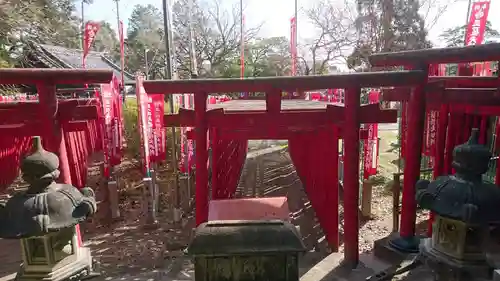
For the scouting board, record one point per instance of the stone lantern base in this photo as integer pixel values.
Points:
(74, 270)
(446, 267)
(54, 257)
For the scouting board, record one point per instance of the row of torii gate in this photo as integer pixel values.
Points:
(228, 126)
(303, 124)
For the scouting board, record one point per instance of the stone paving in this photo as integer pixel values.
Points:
(314, 267)
(328, 269)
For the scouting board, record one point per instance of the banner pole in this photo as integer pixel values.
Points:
(467, 21)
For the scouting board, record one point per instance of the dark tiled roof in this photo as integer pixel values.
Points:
(72, 58)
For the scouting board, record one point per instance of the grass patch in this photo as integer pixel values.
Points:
(132, 136)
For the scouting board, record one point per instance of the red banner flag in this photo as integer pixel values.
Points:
(442, 70)
(183, 138)
(371, 144)
(157, 137)
(431, 132)
(91, 29)
(142, 104)
(477, 23)
(108, 114)
(186, 160)
(431, 121)
(404, 128)
(293, 45)
(117, 123)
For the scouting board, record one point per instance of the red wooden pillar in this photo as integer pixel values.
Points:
(53, 138)
(351, 175)
(201, 134)
(416, 115)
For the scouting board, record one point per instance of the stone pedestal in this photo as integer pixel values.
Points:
(448, 268)
(54, 257)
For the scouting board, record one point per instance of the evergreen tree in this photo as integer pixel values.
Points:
(455, 37)
(145, 36)
(408, 27)
(387, 25)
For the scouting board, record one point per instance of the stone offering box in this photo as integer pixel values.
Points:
(246, 251)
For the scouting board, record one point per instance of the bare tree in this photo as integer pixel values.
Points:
(216, 34)
(432, 10)
(335, 34)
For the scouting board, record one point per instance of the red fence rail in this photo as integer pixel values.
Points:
(48, 116)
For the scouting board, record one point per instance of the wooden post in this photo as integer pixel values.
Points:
(396, 191)
(148, 207)
(201, 132)
(351, 175)
(105, 213)
(112, 187)
(366, 198)
(155, 197)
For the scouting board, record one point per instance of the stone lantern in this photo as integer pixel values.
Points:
(465, 208)
(45, 218)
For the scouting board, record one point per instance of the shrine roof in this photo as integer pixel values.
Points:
(61, 57)
(260, 105)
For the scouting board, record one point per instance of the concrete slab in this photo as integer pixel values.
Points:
(332, 268)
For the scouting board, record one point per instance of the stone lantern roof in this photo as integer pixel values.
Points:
(464, 196)
(40, 163)
(224, 238)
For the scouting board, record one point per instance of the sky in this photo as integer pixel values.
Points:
(274, 15)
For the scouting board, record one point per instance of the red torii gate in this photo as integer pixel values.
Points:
(458, 90)
(47, 117)
(274, 118)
